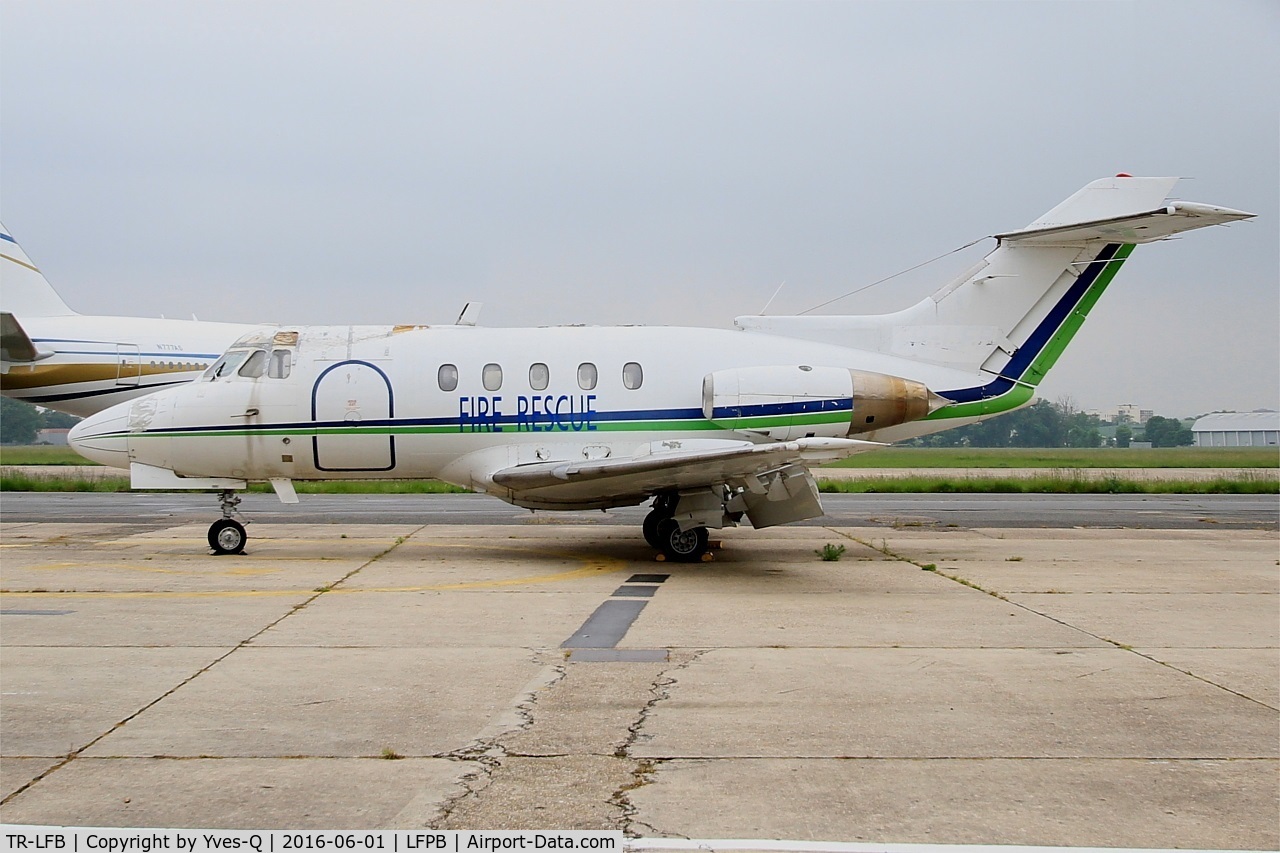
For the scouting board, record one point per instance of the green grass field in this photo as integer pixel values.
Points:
(1050, 485)
(40, 454)
(1048, 457)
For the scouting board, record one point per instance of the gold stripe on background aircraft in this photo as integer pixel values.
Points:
(80, 364)
(714, 425)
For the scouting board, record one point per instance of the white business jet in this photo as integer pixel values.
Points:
(713, 425)
(80, 364)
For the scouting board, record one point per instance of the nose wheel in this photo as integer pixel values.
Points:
(226, 535)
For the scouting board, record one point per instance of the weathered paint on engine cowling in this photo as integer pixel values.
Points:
(786, 402)
(881, 401)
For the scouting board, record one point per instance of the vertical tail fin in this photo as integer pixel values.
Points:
(24, 292)
(1009, 318)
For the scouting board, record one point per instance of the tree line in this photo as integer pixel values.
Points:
(20, 423)
(1058, 424)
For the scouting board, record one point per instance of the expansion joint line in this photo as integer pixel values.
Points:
(884, 549)
(75, 753)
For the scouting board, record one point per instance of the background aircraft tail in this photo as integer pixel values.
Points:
(1010, 316)
(24, 292)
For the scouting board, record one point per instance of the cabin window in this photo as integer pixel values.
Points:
(492, 377)
(539, 376)
(447, 376)
(632, 375)
(255, 365)
(281, 364)
(587, 376)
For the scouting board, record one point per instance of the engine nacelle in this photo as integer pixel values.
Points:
(798, 401)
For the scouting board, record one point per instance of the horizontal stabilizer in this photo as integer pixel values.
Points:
(1144, 227)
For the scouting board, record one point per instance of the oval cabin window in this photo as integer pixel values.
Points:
(539, 376)
(447, 376)
(632, 375)
(492, 377)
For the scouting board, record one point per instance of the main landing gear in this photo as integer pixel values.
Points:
(226, 535)
(663, 532)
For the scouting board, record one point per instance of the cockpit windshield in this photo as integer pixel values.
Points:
(264, 352)
(229, 363)
(255, 365)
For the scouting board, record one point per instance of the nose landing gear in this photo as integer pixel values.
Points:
(226, 535)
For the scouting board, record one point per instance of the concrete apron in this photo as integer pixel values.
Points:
(1082, 688)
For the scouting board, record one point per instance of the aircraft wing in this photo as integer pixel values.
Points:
(670, 466)
(16, 346)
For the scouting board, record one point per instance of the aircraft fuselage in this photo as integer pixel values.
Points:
(453, 403)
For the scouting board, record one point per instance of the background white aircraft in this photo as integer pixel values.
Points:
(80, 364)
(713, 424)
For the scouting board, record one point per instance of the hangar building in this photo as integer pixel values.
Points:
(1238, 429)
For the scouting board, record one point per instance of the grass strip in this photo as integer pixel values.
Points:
(1064, 457)
(40, 454)
(119, 482)
(1051, 485)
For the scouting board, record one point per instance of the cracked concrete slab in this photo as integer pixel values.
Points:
(561, 792)
(948, 703)
(589, 711)
(1080, 803)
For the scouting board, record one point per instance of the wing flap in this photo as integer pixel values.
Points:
(693, 465)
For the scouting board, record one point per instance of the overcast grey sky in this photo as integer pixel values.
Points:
(654, 162)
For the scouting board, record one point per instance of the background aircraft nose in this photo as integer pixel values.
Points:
(104, 437)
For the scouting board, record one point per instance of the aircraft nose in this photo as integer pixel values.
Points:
(104, 437)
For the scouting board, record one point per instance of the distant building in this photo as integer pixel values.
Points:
(1238, 429)
(1132, 414)
(52, 436)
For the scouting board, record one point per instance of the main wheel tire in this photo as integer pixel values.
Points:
(681, 547)
(650, 527)
(227, 536)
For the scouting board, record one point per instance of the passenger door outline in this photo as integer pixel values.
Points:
(364, 397)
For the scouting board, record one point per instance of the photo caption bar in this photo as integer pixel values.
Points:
(57, 839)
